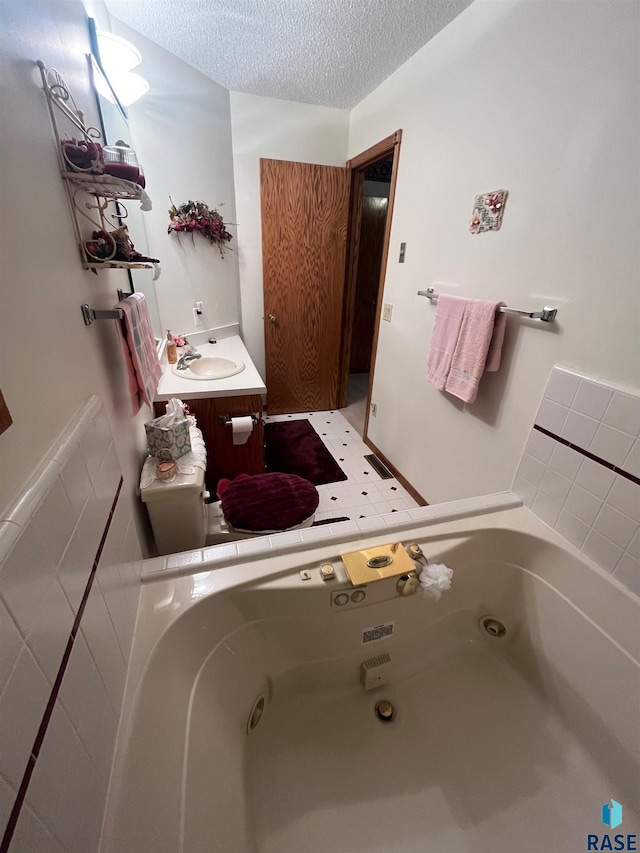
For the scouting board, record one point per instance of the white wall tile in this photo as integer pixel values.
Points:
(96, 700)
(10, 644)
(22, 705)
(562, 386)
(634, 546)
(94, 445)
(532, 469)
(25, 578)
(33, 836)
(632, 462)
(595, 478)
(108, 477)
(44, 794)
(592, 399)
(625, 497)
(572, 528)
(77, 561)
(628, 572)
(615, 526)
(75, 479)
(566, 461)
(229, 550)
(76, 682)
(80, 816)
(395, 519)
(604, 552)
(68, 787)
(103, 645)
(551, 416)
(184, 560)
(540, 446)
(113, 578)
(555, 485)
(525, 490)
(54, 521)
(547, 508)
(592, 506)
(583, 504)
(579, 429)
(51, 629)
(7, 799)
(611, 445)
(623, 413)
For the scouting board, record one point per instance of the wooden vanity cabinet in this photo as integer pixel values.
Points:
(224, 458)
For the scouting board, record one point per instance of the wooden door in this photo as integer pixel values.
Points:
(305, 208)
(372, 227)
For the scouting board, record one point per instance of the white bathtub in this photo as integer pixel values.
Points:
(498, 744)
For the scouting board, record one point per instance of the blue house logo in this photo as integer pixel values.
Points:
(612, 814)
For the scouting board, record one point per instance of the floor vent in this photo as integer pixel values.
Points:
(381, 470)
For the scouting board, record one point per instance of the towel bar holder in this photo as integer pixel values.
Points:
(90, 314)
(226, 420)
(547, 315)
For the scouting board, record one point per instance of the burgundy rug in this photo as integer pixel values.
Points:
(294, 447)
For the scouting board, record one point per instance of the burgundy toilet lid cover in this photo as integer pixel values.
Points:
(268, 501)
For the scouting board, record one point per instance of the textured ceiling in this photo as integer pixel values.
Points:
(328, 52)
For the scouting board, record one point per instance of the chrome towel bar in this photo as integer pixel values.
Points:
(547, 315)
(90, 314)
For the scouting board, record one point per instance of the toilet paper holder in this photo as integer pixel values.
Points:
(226, 420)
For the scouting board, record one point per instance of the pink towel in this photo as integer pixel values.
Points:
(140, 353)
(497, 339)
(481, 334)
(446, 330)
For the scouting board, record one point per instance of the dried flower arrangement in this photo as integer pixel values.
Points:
(195, 216)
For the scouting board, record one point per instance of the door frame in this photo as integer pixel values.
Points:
(357, 167)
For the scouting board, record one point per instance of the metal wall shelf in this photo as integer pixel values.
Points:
(106, 212)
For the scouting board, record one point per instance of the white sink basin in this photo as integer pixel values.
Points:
(210, 367)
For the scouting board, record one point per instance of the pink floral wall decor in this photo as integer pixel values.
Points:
(487, 211)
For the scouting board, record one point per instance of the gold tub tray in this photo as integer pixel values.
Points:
(375, 564)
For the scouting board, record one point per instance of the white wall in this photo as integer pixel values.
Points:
(277, 130)
(540, 99)
(182, 133)
(50, 362)
(55, 502)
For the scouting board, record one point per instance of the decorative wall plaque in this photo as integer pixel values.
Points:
(487, 211)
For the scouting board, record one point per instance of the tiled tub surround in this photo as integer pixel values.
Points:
(247, 550)
(580, 472)
(70, 564)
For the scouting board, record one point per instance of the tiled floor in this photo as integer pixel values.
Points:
(364, 493)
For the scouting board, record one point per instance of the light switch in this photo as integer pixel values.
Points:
(386, 312)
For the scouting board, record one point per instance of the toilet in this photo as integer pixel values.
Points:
(251, 505)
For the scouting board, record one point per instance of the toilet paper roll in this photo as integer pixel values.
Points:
(241, 429)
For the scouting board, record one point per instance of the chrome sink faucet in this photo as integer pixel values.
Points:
(189, 349)
(190, 353)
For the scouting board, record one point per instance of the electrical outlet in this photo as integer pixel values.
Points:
(386, 312)
(197, 317)
(374, 409)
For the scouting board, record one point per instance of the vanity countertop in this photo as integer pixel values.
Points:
(247, 382)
